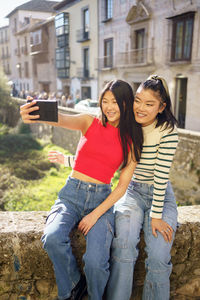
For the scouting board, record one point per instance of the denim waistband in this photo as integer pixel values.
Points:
(145, 187)
(79, 184)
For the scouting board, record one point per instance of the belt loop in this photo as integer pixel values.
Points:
(79, 183)
(96, 190)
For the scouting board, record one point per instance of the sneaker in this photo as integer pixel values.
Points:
(79, 290)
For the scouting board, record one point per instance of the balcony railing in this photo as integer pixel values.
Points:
(106, 62)
(5, 56)
(39, 48)
(135, 57)
(83, 73)
(4, 40)
(82, 35)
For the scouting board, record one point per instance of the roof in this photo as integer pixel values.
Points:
(62, 4)
(35, 5)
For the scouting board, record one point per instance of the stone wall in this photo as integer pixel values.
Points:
(26, 272)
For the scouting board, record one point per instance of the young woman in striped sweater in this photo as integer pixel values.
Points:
(149, 203)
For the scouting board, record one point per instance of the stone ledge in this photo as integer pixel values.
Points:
(26, 272)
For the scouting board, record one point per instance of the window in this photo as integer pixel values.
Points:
(86, 62)
(182, 37)
(18, 46)
(85, 23)
(36, 37)
(15, 25)
(181, 101)
(62, 62)
(62, 40)
(139, 45)
(86, 92)
(26, 69)
(108, 53)
(19, 69)
(62, 24)
(63, 73)
(136, 86)
(6, 35)
(108, 9)
(62, 58)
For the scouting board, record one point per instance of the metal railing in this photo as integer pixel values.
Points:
(142, 56)
(82, 35)
(83, 73)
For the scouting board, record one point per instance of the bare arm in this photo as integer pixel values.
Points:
(75, 122)
(125, 177)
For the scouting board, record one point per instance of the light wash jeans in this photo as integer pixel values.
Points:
(132, 214)
(77, 199)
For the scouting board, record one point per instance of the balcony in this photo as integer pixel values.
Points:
(106, 62)
(39, 48)
(40, 51)
(135, 57)
(82, 35)
(5, 56)
(83, 73)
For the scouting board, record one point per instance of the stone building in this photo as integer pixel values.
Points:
(42, 51)
(138, 38)
(5, 50)
(22, 20)
(77, 46)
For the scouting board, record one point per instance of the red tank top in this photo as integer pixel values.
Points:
(99, 153)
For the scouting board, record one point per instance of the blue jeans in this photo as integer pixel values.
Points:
(77, 199)
(132, 214)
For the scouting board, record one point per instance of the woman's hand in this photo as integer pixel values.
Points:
(87, 222)
(164, 228)
(56, 157)
(25, 112)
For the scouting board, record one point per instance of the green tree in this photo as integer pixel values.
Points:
(9, 109)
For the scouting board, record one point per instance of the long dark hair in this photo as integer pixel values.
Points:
(130, 131)
(159, 86)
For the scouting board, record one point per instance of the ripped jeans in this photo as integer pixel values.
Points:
(77, 199)
(133, 214)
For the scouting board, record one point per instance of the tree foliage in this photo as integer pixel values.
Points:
(9, 109)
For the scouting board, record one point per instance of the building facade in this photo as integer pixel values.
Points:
(22, 20)
(77, 46)
(5, 50)
(42, 51)
(138, 38)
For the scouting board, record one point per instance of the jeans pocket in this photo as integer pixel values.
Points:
(53, 213)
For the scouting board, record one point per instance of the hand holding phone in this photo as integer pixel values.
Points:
(48, 110)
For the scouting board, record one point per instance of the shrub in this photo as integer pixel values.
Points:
(13, 143)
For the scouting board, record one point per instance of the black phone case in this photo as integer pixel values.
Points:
(48, 110)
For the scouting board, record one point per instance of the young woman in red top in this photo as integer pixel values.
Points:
(106, 144)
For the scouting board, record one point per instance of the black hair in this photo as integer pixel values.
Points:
(158, 85)
(129, 130)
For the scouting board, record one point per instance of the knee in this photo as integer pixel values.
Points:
(159, 256)
(93, 262)
(124, 250)
(52, 240)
